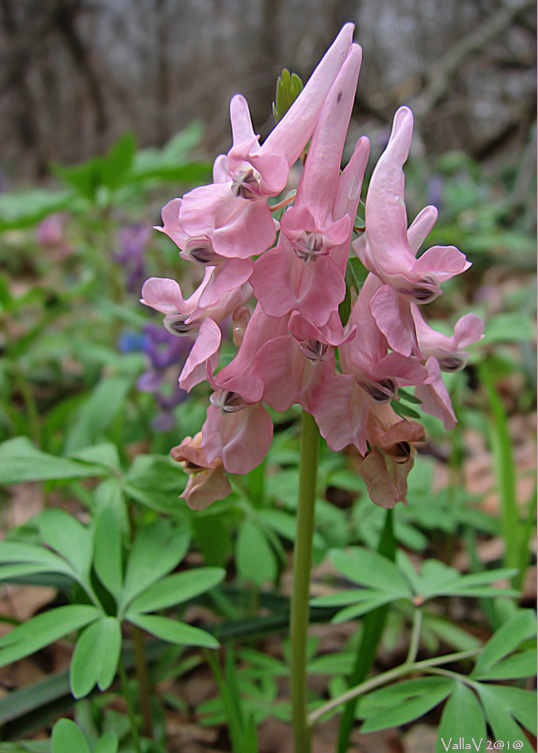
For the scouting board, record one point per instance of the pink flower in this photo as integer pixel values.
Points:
(226, 274)
(448, 350)
(390, 309)
(287, 350)
(434, 396)
(238, 428)
(386, 466)
(386, 250)
(230, 217)
(342, 404)
(293, 365)
(340, 407)
(207, 482)
(377, 371)
(186, 317)
(307, 267)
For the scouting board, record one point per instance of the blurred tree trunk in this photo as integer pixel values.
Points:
(265, 64)
(162, 88)
(17, 63)
(65, 16)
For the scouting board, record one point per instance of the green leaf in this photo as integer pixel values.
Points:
(108, 551)
(21, 461)
(402, 691)
(9, 573)
(21, 209)
(522, 664)
(255, 559)
(509, 328)
(520, 703)
(267, 664)
(439, 580)
(157, 549)
(378, 599)
(344, 598)
(177, 588)
(212, 535)
(408, 397)
(191, 172)
(344, 307)
(487, 576)
(46, 628)
(331, 664)
(84, 178)
(282, 522)
(462, 717)
(433, 577)
(286, 525)
(368, 568)
(105, 454)
(26, 746)
(107, 744)
(173, 631)
(68, 537)
(109, 494)
(156, 481)
(67, 737)
(13, 552)
(409, 709)
(288, 88)
(346, 479)
(500, 718)
(402, 409)
(97, 413)
(451, 634)
(118, 161)
(95, 658)
(505, 640)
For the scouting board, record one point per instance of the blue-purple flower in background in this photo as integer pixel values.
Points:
(165, 355)
(133, 241)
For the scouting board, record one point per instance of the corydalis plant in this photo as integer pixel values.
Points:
(286, 347)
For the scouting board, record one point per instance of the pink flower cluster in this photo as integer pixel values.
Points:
(287, 344)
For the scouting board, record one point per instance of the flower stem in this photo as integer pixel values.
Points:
(301, 580)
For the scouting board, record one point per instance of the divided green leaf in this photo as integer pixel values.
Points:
(462, 718)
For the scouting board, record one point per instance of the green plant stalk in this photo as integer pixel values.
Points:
(301, 580)
(415, 636)
(526, 531)
(144, 684)
(372, 630)
(392, 674)
(505, 470)
(130, 707)
(230, 698)
(141, 666)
